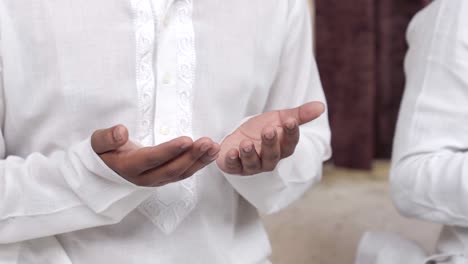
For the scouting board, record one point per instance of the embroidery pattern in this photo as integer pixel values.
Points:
(168, 205)
(145, 37)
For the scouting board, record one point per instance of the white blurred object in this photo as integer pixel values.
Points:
(388, 248)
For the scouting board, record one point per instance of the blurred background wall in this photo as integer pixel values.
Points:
(360, 47)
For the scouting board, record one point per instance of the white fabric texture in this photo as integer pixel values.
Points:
(163, 69)
(429, 169)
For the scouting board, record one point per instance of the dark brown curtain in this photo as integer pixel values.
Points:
(360, 51)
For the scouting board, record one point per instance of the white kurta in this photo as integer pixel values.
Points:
(429, 177)
(163, 69)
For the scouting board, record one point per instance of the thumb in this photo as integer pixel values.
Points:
(304, 113)
(109, 139)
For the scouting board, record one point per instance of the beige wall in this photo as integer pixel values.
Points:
(312, 8)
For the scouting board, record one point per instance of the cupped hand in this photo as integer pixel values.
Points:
(153, 166)
(262, 141)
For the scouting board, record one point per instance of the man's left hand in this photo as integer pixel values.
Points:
(262, 141)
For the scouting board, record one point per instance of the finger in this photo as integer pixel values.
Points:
(109, 139)
(251, 163)
(232, 162)
(304, 113)
(290, 137)
(175, 168)
(148, 158)
(178, 169)
(201, 163)
(271, 149)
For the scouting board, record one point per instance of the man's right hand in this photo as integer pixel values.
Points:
(169, 162)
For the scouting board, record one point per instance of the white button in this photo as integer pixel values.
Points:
(167, 79)
(164, 130)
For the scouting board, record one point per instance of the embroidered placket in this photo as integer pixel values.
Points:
(166, 105)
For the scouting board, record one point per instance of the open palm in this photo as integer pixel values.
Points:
(262, 141)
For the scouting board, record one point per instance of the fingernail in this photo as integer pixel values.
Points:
(291, 125)
(204, 147)
(270, 135)
(233, 156)
(248, 148)
(117, 134)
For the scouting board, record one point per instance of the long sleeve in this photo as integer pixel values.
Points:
(430, 164)
(71, 190)
(297, 82)
(66, 191)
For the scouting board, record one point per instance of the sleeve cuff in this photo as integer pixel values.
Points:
(268, 191)
(95, 183)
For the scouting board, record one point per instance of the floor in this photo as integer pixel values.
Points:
(325, 226)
